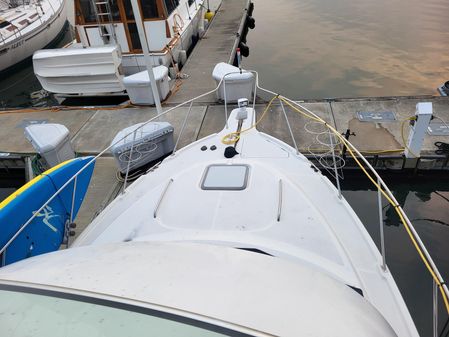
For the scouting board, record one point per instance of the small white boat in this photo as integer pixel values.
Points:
(28, 26)
(108, 46)
(236, 234)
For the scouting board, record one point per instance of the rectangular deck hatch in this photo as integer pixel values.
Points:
(438, 129)
(225, 177)
(376, 117)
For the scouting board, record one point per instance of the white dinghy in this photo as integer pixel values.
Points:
(88, 67)
(235, 234)
(27, 26)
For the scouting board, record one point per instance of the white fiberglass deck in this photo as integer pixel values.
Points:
(315, 226)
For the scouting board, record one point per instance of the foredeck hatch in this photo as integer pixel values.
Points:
(225, 177)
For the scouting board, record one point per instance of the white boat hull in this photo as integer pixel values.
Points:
(69, 70)
(94, 83)
(17, 50)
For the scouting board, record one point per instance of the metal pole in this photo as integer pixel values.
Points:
(129, 161)
(29, 175)
(182, 127)
(146, 54)
(278, 218)
(337, 180)
(73, 199)
(225, 100)
(435, 308)
(381, 227)
(188, 13)
(289, 127)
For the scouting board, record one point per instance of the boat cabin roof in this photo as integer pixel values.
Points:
(222, 290)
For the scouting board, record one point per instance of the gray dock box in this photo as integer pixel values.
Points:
(152, 141)
(51, 141)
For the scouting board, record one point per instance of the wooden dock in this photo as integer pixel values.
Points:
(93, 130)
(217, 45)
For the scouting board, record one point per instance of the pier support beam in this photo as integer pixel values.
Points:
(29, 174)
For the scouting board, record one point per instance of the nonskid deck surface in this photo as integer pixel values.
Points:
(315, 226)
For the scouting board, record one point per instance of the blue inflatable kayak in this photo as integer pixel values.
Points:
(46, 232)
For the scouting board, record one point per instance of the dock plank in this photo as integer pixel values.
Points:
(12, 138)
(216, 46)
(105, 124)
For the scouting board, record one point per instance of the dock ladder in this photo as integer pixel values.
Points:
(103, 13)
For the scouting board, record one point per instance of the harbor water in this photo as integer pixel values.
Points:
(347, 48)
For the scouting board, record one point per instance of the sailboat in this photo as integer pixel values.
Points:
(27, 26)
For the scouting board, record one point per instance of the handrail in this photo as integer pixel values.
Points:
(363, 163)
(35, 214)
(278, 217)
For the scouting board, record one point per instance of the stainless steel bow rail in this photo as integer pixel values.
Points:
(383, 190)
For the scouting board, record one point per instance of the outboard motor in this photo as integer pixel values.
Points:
(444, 89)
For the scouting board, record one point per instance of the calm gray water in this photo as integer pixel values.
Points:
(348, 48)
(334, 48)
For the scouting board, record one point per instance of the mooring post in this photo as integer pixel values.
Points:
(418, 129)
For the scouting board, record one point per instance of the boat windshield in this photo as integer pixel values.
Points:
(41, 313)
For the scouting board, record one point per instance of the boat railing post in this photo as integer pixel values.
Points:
(435, 308)
(188, 12)
(289, 127)
(337, 176)
(225, 100)
(3, 262)
(381, 225)
(69, 224)
(278, 217)
(255, 90)
(129, 161)
(73, 199)
(182, 127)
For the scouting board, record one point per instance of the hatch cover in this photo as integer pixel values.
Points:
(438, 129)
(376, 117)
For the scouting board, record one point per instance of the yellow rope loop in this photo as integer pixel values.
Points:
(231, 138)
(397, 208)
